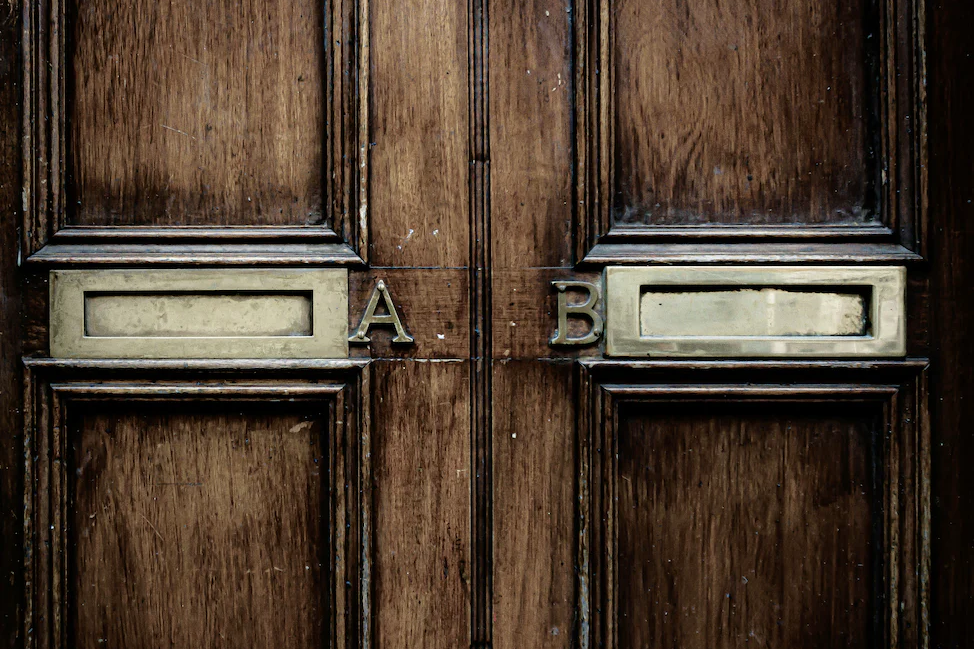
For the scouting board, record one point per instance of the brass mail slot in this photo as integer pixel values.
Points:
(747, 311)
(234, 313)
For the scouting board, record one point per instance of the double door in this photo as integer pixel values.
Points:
(512, 324)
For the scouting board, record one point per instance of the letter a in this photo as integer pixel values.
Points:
(361, 334)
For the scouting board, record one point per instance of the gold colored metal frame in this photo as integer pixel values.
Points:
(883, 332)
(211, 313)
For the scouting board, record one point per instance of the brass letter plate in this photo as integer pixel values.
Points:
(229, 313)
(748, 311)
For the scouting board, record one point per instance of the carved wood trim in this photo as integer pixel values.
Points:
(898, 390)
(345, 176)
(52, 389)
(791, 252)
(900, 101)
(232, 254)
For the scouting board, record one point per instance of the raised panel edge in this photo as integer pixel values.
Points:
(44, 145)
(51, 387)
(901, 388)
(902, 163)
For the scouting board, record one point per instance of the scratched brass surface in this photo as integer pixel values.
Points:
(737, 311)
(226, 313)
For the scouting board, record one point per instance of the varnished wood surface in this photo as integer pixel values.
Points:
(530, 134)
(425, 207)
(11, 333)
(747, 526)
(418, 195)
(759, 253)
(183, 114)
(196, 254)
(755, 112)
(951, 88)
(199, 528)
(534, 505)
(525, 314)
(431, 304)
(895, 407)
(421, 419)
(339, 465)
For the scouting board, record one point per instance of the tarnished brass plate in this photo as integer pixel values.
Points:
(231, 313)
(748, 311)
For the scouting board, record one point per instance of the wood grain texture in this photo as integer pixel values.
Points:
(530, 133)
(754, 112)
(188, 114)
(11, 332)
(747, 526)
(421, 467)
(759, 253)
(432, 304)
(418, 196)
(951, 87)
(884, 401)
(533, 465)
(199, 528)
(55, 415)
(525, 313)
(195, 254)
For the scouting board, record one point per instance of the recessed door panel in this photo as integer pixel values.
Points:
(744, 525)
(198, 527)
(183, 113)
(746, 113)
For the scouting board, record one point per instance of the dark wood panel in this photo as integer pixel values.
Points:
(534, 505)
(190, 114)
(757, 253)
(741, 526)
(421, 467)
(918, 323)
(525, 313)
(418, 194)
(11, 335)
(432, 304)
(194, 254)
(235, 501)
(198, 528)
(530, 134)
(951, 88)
(752, 112)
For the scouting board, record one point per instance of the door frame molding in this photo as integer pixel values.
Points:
(54, 388)
(897, 118)
(897, 388)
(343, 238)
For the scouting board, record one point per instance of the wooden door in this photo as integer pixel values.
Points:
(602, 323)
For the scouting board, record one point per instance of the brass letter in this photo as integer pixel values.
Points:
(586, 309)
(361, 334)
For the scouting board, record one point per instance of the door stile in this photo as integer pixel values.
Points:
(481, 335)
